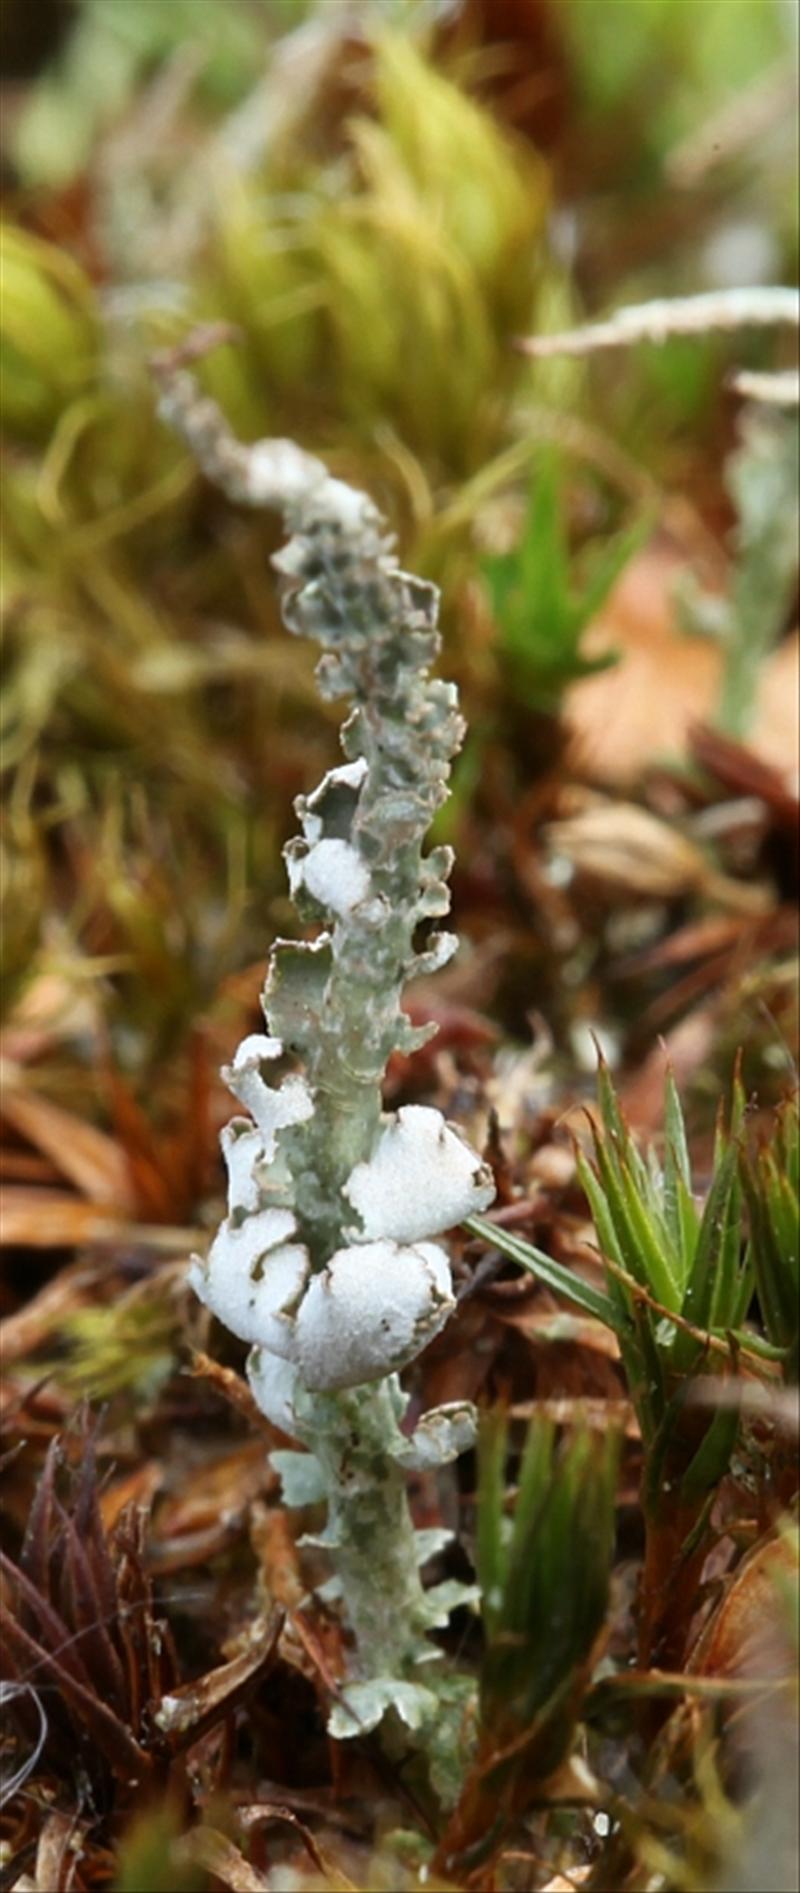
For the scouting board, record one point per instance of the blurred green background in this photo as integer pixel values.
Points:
(380, 197)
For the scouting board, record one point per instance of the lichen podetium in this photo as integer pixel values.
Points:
(327, 1262)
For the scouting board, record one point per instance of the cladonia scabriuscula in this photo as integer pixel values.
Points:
(330, 1261)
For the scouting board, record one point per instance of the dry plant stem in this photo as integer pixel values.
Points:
(339, 1176)
(669, 1586)
(765, 307)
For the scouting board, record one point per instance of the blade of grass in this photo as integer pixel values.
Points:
(712, 1458)
(699, 1295)
(641, 1253)
(490, 1551)
(553, 1274)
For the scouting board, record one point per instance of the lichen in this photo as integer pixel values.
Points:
(325, 1262)
(421, 1178)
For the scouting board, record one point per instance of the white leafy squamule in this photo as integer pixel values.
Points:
(333, 873)
(253, 1276)
(274, 1107)
(346, 776)
(244, 1152)
(422, 1178)
(370, 1311)
(273, 1382)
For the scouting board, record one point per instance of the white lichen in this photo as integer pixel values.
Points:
(278, 473)
(253, 1275)
(347, 775)
(421, 1179)
(333, 873)
(273, 1107)
(439, 1437)
(325, 1263)
(274, 1382)
(243, 1150)
(372, 1309)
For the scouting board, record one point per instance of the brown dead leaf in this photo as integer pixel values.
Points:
(58, 1854)
(756, 1399)
(258, 1813)
(698, 940)
(622, 718)
(154, 1189)
(741, 769)
(683, 1052)
(34, 1218)
(24, 1166)
(136, 1488)
(615, 734)
(323, 1650)
(557, 1325)
(87, 1157)
(629, 850)
(726, 967)
(600, 1416)
(566, 1883)
(233, 1388)
(169, 1170)
(217, 1492)
(775, 735)
(23, 1332)
(552, 1166)
(207, 1847)
(274, 1544)
(187, 1712)
(744, 1636)
(52, 1008)
(458, 1365)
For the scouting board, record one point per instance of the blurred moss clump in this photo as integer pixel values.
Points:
(113, 48)
(378, 291)
(49, 331)
(375, 275)
(343, 187)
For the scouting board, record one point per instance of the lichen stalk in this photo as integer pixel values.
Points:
(369, 1519)
(326, 1261)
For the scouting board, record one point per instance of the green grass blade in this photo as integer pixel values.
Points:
(744, 1288)
(677, 1170)
(643, 1253)
(553, 1274)
(725, 1279)
(712, 1459)
(699, 1295)
(490, 1549)
(606, 569)
(535, 1477)
(613, 1121)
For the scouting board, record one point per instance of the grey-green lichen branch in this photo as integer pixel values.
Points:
(327, 1262)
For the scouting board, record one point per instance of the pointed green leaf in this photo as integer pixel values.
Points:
(699, 1296)
(490, 1551)
(613, 1120)
(553, 1274)
(677, 1169)
(606, 569)
(643, 1252)
(712, 1459)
